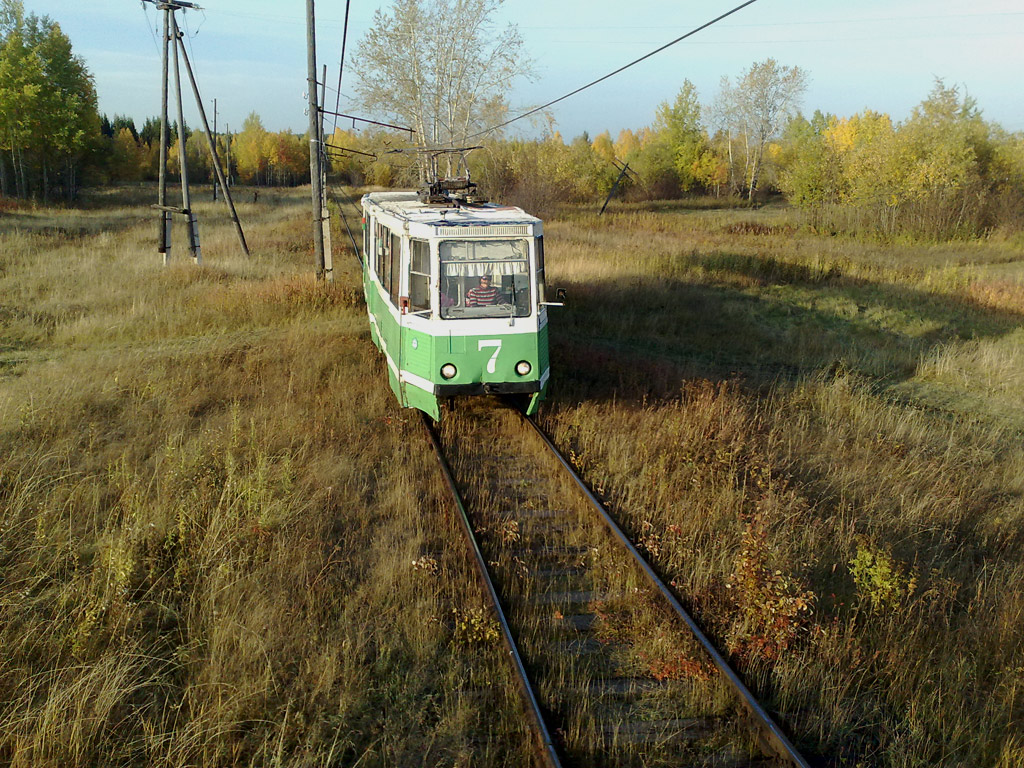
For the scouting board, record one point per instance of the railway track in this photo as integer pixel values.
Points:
(612, 670)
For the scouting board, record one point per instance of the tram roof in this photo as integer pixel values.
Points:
(407, 206)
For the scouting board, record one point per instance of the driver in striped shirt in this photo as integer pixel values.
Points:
(484, 295)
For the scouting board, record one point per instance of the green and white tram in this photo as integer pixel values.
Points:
(455, 295)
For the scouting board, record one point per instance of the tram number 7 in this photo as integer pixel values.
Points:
(488, 344)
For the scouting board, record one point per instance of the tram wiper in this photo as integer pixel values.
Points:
(512, 305)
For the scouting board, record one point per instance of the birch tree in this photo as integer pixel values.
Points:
(439, 67)
(757, 107)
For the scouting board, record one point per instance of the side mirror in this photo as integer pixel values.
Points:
(559, 295)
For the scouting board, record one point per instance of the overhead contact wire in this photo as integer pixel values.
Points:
(691, 33)
(341, 66)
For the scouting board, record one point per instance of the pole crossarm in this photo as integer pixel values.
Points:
(336, 151)
(171, 209)
(432, 150)
(173, 5)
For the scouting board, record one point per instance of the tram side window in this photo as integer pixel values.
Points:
(367, 223)
(540, 268)
(382, 241)
(394, 284)
(419, 275)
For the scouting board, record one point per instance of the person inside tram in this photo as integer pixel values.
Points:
(484, 295)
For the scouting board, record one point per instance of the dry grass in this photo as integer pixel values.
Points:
(507, 477)
(221, 543)
(210, 514)
(830, 463)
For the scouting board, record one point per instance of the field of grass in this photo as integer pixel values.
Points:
(222, 543)
(211, 512)
(829, 465)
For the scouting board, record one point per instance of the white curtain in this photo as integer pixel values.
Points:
(475, 269)
(472, 258)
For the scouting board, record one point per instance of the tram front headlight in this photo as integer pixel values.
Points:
(448, 371)
(523, 368)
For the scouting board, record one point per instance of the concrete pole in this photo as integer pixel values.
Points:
(325, 212)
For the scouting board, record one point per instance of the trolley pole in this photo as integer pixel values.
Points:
(315, 148)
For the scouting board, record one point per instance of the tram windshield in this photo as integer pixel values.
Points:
(485, 278)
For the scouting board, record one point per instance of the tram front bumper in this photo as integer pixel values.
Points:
(488, 388)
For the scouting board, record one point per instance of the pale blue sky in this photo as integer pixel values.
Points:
(250, 54)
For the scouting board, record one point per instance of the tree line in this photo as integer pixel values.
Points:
(252, 156)
(943, 172)
(53, 139)
(48, 116)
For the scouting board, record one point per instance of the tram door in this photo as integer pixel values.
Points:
(414, 316)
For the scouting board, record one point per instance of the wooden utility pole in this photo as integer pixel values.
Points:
(213, 148)
(215, 144)
(324, 210)
(615, 186)
(315, 146)
(186, 199)
(227, 153)
(165, 214)
(173, 36)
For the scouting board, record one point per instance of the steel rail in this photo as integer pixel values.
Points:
(545, 744)
(774, 735)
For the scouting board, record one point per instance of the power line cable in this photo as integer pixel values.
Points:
(150, 27)
(691, 33)
(189, 36)
(807, 22)
(341, 67)
(332, 89)
(895, 37)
